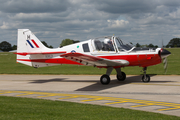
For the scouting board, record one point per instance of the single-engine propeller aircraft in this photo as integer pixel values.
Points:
(105, 52)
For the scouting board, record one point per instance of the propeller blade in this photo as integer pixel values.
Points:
(164, 60)
(165, 64)
(164, 54)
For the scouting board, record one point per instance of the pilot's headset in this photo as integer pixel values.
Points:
(106, 41)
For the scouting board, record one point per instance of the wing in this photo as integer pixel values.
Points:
(33, 53)
(93, 60)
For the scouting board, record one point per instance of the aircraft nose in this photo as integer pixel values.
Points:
(164, 53)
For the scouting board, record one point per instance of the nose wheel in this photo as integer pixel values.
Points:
(145, 78)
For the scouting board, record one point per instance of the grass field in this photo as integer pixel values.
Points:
(13, 108)
(8, 65)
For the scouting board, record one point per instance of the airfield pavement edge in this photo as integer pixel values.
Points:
(160, 95)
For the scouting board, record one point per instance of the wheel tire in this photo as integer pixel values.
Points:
(122, 77)
(105, 79)
(147, 78)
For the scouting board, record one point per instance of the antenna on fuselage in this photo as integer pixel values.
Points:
(162, 43)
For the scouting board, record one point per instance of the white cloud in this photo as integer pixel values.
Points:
(4, 26)
(117, 23)
(33, 6)
(175, 14)
(142, 21)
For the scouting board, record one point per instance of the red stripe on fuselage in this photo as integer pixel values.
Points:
(54, 61)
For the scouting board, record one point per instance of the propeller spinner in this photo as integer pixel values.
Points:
(165, 53)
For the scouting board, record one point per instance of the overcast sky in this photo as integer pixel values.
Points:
(136, 21)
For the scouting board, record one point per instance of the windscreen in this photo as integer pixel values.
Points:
(122, 46)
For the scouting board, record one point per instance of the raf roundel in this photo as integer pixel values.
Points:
(73, 51)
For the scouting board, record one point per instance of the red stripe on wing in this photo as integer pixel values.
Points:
(81, 56)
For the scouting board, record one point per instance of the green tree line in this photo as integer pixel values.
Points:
(6, 46)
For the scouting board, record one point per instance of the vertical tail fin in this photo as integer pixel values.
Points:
(30, 50)
(27, 42)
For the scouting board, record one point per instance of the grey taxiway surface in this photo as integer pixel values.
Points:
(161, 94)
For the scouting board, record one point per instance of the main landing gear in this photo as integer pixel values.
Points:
(105, 79)
(121, 76)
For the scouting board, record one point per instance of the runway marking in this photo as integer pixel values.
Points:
(90, 98)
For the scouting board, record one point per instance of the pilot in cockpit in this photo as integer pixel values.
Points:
(108, 45)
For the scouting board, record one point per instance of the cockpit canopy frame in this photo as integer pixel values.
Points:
(111, 44)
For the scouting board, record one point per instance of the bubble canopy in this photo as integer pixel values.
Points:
(111, 43)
